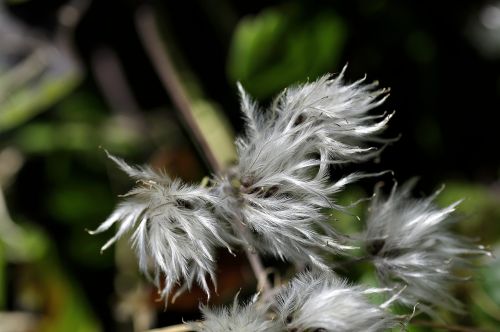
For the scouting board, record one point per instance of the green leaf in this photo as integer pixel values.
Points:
(26, 102)
(44, 137)
(280, 46)
(477, 210)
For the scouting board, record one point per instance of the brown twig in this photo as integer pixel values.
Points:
(173, 328)
(253, 258)
(258, 270)
(110, 77)
(156, 50)
(150, 37)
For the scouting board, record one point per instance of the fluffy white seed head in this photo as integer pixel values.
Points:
(174, 229)
(329, 111)
(411, 245)
(281, 186)
(323, 302)
(251, 317)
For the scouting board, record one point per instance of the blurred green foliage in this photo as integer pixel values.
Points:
(26, 101)
(283, 45)
(42, 283)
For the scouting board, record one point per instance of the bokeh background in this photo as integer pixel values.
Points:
(79, 76)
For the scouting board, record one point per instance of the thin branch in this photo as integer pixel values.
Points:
(157, 51)
(173, 328)
(69, 16)
(110, 77)
(254, 259)
(108, 70)
(150, 37)
(258, 269)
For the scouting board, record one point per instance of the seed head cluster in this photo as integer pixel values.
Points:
(275, 201)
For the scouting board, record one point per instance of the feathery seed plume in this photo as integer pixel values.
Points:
(411, 244)
(173, 228)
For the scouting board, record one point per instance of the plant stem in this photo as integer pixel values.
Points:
(150, 37)
(68, 18)
(253, 258)
(110, 77)
(157, 52)
(173, 328)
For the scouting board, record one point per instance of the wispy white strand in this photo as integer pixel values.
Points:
(278, 193)
(251, 317)
(337, 112)
(281, 186)
(411, 245)
(173, 226)
(310, 302)
(323, 302)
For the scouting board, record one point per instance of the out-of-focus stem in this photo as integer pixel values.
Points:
(150, 37)
(173, 328)
(69, 16)
(111, 79)
(157, 51)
